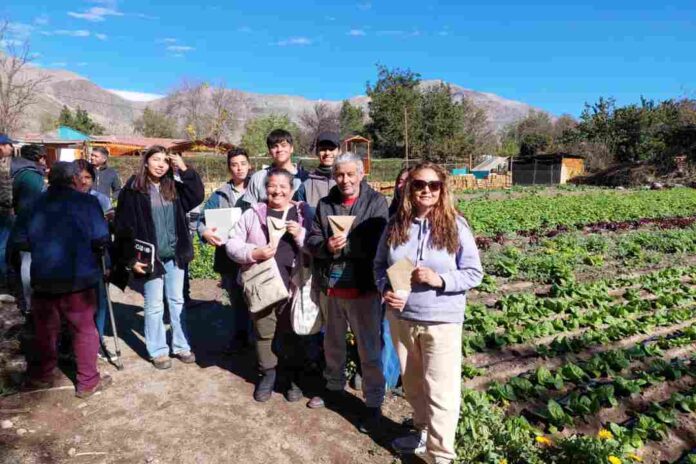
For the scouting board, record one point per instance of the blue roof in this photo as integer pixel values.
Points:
(67, 133)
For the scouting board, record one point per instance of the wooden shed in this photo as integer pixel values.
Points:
(361, 147)
(547, 169)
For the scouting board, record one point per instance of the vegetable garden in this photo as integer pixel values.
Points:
(580, 346)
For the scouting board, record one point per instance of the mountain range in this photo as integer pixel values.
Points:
(117, 113)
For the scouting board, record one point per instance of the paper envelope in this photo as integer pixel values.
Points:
(399, 275)
(276, 229)
(340, 225)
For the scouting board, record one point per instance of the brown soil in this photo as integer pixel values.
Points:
(200, 413)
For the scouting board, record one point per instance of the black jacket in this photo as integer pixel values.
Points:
(134, 221)
(371, 214)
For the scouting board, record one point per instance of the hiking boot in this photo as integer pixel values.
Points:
(104, 382)
(413, 443)
(186, 357)
(293, 394)
(264, 388)
(162, 362)
(371, 420)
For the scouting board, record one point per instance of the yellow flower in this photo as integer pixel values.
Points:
(503, 461)
(635, 457)
(614, 460)
(542, 440)
(604, 434)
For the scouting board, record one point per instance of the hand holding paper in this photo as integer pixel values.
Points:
(276, 229)
(399, 275)
(340, 225)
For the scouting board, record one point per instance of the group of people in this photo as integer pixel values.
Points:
(345, 274)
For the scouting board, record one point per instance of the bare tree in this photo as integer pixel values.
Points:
(187, 104)
(322, 117)
(221, 121)
(18, 88)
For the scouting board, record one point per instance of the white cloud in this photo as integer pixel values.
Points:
(330, 18)
(356, 33)
(177, 55)
(69, 33)
(19, 31)
(294, 41)
(136, 96)
(364, 6)
(146, 16)
(100, 36)
(96, 14)
(82, 64)
(10, 43)
(180, 48)
(41, 20)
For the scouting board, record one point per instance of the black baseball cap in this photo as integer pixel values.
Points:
(5, 140)
(327, 136)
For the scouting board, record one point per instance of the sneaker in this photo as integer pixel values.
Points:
(162, 362)
(104, 382)
(371, 420)
(331, 398)
(430, 459)
(413, 443)
(186, 357)
(294, 393)
(105, 355)
(264, 388)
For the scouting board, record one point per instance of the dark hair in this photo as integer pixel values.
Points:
(32, 152)
(103, 150)
(84, 165)
(277, 136)
(236, 151)
(142, 179)
(279, 172)
(62, 174)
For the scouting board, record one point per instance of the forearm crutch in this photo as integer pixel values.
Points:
(118, 362)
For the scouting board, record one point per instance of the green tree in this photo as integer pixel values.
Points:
(153, 123)
(453, 131)
(351, 120)
(80, 120)
(395, 99)
(256, 131)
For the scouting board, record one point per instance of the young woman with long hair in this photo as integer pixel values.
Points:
(152, 208)
(428, 231)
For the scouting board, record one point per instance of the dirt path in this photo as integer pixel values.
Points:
(200, 413)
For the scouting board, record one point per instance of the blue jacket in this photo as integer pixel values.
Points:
(65, 235)
(460, 272)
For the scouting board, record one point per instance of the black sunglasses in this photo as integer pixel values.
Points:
(433, 185)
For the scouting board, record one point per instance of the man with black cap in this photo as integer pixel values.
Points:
(27, 174)
(327, 147)
(6, 151)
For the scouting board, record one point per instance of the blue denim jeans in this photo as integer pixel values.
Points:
(102, 308)
(171, 285)
(5, 228)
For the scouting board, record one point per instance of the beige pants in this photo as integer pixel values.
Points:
(431, 364)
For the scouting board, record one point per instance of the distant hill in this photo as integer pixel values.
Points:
(117, 113)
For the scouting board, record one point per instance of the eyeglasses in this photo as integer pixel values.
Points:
(433, 185)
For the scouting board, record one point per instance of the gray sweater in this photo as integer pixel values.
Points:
(460, 272)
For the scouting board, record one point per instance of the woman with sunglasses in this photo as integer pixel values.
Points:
(428, 231)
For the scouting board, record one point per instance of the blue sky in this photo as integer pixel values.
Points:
(553, 56)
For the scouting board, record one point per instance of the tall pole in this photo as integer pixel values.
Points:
(406, 133)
